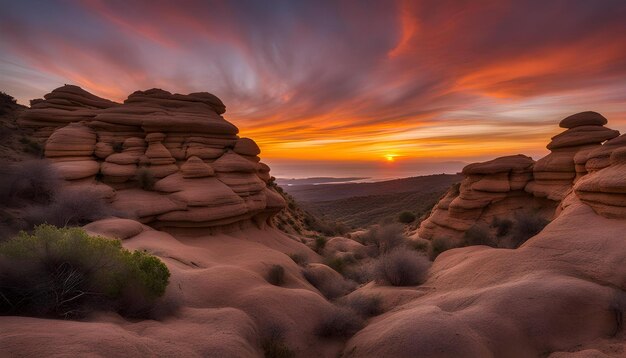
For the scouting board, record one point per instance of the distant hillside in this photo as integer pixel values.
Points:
(316, 180)
(363, 204)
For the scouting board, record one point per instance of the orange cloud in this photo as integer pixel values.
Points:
(342, 80)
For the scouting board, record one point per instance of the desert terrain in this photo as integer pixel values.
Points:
(515, 257)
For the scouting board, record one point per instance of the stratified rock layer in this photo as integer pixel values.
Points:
(171, 159)
(505, 186)
(490, 190)
(555, 173)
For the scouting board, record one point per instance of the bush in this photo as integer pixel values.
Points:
(402, 268)
(406, 217)
(276, 275)
(478, 235)
(273, 343)
(526, 226)
(420, 246)
(63, 272)
(330, 288)
(341, 322)
(385, 237)
(31, 146)
(320, 243)
(324, 227)
(33, 181)
(361, 273)
(299, 258)
(336, 263)
(145, 178)
(365, 305)
(439, 245)
(75, 207)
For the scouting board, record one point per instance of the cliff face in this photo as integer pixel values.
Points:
(170, 160)
(507, 186)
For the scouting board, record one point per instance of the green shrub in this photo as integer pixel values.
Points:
(336, 263)
(31, 146)
(273, 343)
(406, 217)
(324, 227)
(63, 272)
(145, 178)
(341, 322)
(420, 245)
(365, 305)
(439, 245)
(276, 275)
(299, 258)
(361, 273)
(320, 243)
(478, 235)
(402, 268)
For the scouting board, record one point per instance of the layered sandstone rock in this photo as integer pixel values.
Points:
(70, 148)
(586, 158)
(489, 190)
(62, 106)
(555, 173)
(194, 169)
(605, 190)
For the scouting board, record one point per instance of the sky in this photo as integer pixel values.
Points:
(341, 88)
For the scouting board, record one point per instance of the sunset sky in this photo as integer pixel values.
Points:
(393, 88)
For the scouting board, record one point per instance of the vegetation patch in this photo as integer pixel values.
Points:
(276, 275)
(439, 245)
(299, 258)
(65, 273)
(402, 267)
(273, 343)
(341, 322)
(365, 305)
(479, 234)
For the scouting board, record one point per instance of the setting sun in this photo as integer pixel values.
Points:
(390, 157)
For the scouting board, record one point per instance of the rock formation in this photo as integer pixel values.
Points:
(171, 160)
(554, 174)
(489, 190)
(502, 187)
(604, 189)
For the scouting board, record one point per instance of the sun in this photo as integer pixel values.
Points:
(390, 157)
